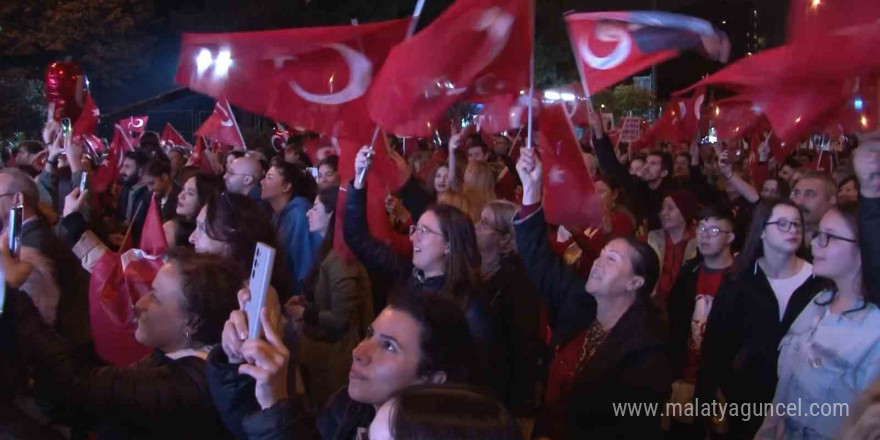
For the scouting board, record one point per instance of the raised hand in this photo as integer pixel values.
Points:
(361, 162)
(267, 363)
(235, 331)
(74, 201)
(530, 172)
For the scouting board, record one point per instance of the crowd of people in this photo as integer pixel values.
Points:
(712, 278)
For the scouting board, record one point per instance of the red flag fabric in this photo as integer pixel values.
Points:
(153, 239)
(87, 122)
(565, 174)
(134, 127)
(735, 118)
(611, 46)
(116, 284)
(222, 127)
(505, 112)
(108, 171)
(199, 158)
(312, 79)
(476, 48)
(171, 137)
(811, 18)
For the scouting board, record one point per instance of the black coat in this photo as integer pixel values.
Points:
(234, 398)
(515, 347)
(155, 398)
(869, 238)
(629, 367)
(740, 344)
(643, 202)
(169, 211)
(387, 269)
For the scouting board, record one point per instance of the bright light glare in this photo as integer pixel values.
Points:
(864, 121)
(717, 111)
(551, 95)
(859, 104)
(223, 62)
(567, 96)
(204, 60)
(797, 120)
(816, 3)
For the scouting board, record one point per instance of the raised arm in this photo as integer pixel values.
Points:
(742, 187)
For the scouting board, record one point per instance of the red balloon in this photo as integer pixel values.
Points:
(66, 86)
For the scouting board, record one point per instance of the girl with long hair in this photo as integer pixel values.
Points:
(831, 352)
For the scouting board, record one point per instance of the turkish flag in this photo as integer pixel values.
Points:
(810, 19)
(117, 282)
(222, 127)
(199, 158)
(475, 49)
(611, 46)
(566, 178)
(171, 137)
(153, 235)
(108, 171)
(735, 118)
(87, 122)
(505, 112)
(135, 127)
(312, 79)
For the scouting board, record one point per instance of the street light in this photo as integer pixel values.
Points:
(222, 63)
(204, 60)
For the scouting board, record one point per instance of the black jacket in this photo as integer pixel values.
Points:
(73, 281)
(170, 208)
(644, 202)
(234, 398)
(869, 237)
(740, 344)
(155, 398)
(629, 367)
(515, 348)
(387, 268)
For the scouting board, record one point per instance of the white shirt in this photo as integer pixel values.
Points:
(783, 288)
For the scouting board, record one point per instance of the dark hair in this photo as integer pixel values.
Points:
(32, 147)
(783, 188)
(474, 141)
(239, 221)
(753, 247)
(792, 162)
(158, 167)
(207, 186)
(685, 155)
(149, 140)
(849, 179)
(139, 157)
(301, 182)
(645, 264)
(237, 154)
(463, 262)
(665, 160)
(328, 197)
(331, 161)
(445, 340)
(850, 214)
(209, 285)
(717, 212)
(638, 156)
(608, 179)
(445, 412)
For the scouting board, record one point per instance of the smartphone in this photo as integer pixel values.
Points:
(66, 129)
(261, 274)
(84, 183)
(15, 230)
(2, 290)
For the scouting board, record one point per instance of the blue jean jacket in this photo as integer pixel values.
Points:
(825, 360)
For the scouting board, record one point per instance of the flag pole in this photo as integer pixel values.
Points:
(130, 226)
(232, 116)
(417, 13)
(531, 77)
(581, 72)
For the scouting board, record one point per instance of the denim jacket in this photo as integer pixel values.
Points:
(826, 359)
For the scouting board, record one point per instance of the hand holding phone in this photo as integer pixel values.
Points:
(261, 274)
(14, 231)
(66, 128)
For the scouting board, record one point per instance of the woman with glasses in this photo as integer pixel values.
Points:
(768, 286)
(513, 308)
(831, 353)
(445, 256)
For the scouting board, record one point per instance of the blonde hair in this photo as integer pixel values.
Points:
(478, 188)
(504, 212)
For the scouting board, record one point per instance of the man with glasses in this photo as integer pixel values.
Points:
(866, 161)
(690, 301)
(243, 177)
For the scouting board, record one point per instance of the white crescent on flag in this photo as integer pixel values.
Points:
(698, 106)
(497, 24)
(136, 123)
(683, 110)
(360, 75)
(607, 33)
(227, 119)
